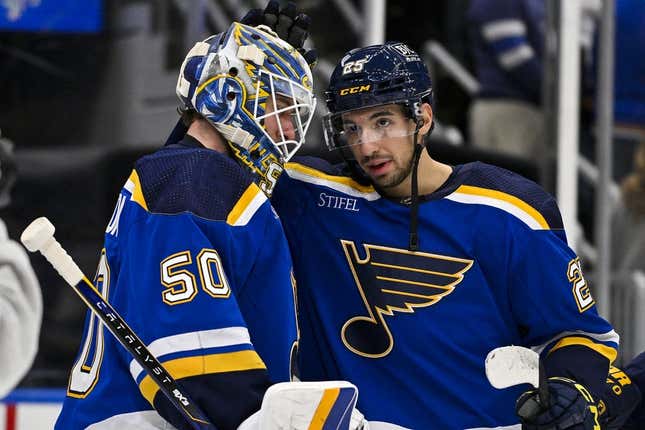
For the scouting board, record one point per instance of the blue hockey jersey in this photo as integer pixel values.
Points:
(196, 262)
(412, 329)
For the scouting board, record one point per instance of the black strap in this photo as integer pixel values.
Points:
(413, 244)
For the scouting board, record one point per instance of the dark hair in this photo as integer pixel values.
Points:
(188, 116)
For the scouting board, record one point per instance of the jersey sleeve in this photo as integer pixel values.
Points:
(554, 308)
(267, 302)
(182, 284)
(501, 28)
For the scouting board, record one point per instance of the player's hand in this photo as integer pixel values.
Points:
(570, 406)
(289, 25)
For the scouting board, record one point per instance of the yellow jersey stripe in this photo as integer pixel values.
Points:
(246, 206)
(193, 341)
(203, 365)
(324, 408)
(507, 198)
(137, 192)
(604, 350)
(308, 174)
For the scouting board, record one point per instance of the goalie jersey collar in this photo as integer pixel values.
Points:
(187, 141)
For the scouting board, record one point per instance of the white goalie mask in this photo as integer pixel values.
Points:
(256, 90)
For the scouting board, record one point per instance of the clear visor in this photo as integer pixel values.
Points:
(366, 125)
(289, 110)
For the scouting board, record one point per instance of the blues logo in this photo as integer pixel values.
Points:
(394, 280)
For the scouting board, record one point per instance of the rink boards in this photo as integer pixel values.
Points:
(31, 408)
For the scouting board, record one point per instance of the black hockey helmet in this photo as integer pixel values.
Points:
(372, 76)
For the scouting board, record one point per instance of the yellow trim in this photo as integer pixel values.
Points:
(508, 198)
(242, 204)
(239, 35)
(338, 179)
(202, 86)
(405, 281)
(137, 192)
(203, 365)
(324, 407)
(604, 350)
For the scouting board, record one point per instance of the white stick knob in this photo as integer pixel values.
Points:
(39, 236)
(512, 365)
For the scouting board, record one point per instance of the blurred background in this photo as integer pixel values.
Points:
(553, 90)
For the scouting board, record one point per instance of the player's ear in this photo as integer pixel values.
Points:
(427, 118)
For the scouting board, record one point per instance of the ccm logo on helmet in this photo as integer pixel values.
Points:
(354, 90)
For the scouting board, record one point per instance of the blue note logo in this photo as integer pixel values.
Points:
(394, 280)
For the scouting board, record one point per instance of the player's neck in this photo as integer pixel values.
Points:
(431, 175)
(206, 134)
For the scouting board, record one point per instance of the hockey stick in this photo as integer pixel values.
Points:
(39, 236)
(513, 365)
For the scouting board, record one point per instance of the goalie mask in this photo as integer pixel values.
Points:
(256, 90)
(391, 73)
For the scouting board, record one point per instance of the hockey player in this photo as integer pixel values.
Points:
(21, 303)
(195, 258)
(410, 270)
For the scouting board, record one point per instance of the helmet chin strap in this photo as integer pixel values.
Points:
(413, 244)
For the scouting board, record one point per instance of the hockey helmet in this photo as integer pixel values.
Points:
(391, 73)
(240, 80)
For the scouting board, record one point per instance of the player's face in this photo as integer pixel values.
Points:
(283, 121)
(381, 141)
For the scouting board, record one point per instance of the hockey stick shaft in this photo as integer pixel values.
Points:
(39, 236)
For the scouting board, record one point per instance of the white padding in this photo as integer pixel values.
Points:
(295, 406)
(200, 48)
(251, 53)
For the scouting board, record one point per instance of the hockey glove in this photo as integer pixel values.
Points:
(618, 401)
(570, 406)
(290, 26)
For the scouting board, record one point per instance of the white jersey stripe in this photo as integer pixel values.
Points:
(516, 56)
(497, 203)
(610, 336)
(193, 341)
(343, 188)
(503, 28)
(251, 209)
(129, 185)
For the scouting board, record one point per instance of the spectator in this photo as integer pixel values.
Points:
(21, 306)
(507, 38)
(628, 251)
